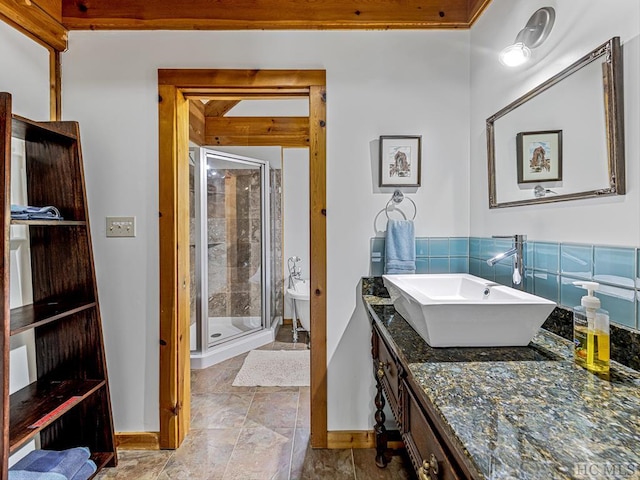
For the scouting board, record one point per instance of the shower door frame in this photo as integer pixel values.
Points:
(202, 251)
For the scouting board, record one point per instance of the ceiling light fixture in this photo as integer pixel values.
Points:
(534, 33)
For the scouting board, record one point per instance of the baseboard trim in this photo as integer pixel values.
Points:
(335, 440)
(359, 439)
(138, 440)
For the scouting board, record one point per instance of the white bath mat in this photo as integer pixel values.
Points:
(274, 368)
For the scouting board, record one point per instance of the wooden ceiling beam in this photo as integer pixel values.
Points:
(196, 122)
(200, 94)
(268, 82)
(257, 131)
(476, 8)
(268, 14)
(39, 23)
(218, 108)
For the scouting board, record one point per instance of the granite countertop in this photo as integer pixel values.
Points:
(525, 412)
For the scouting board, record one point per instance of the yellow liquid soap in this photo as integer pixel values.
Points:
(597, 351)
(580, 345)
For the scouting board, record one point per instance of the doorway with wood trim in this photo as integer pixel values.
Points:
(176, 88)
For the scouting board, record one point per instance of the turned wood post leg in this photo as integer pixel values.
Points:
(379, 428)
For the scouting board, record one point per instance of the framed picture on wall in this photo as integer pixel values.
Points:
(539, 156)
(400, 158)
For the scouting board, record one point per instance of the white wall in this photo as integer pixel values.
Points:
(579, 28)
(24, 73)
(295, 182)
(378, 83)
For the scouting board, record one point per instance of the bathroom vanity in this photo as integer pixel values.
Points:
(422, 432)
(503, 412)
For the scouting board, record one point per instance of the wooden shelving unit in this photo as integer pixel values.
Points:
(69, 403)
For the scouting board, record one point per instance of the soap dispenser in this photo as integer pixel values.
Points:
(591, 331)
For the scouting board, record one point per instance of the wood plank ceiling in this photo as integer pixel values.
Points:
(48, 21)
(269, 14)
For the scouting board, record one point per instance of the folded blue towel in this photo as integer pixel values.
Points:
(22, 212)
(86, 471)
(65, 462)
(24, 475)
(400, 247)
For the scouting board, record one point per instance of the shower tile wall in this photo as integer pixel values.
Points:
(218, 294)
(234, 243)
(243, 244)
(277, 272)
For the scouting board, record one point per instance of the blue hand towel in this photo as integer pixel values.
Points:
(24, 475)
(65, 462)
(400, 247)
(86, 471)
(22, 212)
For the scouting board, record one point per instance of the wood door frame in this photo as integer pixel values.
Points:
(175, 86)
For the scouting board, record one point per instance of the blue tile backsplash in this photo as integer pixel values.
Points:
(546, 285)
(459, 247)
(614, 265)
(439, 247)
(546, 256)
(439, 265)
(576, 260)
(550, 269)
(433, 255)
(422, 247)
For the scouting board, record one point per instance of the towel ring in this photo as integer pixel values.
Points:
(397, 198)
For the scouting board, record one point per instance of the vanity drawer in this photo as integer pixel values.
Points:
(386, 369)
(422, 443)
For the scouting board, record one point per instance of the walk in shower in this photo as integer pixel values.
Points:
(233, 304)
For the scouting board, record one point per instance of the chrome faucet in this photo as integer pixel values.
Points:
(517, 252)
(295, 272)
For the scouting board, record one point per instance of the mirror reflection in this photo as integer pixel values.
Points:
(564, 139)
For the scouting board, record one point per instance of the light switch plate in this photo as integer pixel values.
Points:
(121, 226)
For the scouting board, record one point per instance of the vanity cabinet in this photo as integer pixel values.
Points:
(422, 432)
(428, 456)
(388, 373)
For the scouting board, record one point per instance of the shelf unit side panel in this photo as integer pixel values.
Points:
(5, 179)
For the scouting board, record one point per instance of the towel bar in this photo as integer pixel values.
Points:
(397, 198)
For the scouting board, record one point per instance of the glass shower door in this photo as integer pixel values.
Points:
(231, 243)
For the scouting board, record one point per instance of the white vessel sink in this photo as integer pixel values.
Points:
(461, 310)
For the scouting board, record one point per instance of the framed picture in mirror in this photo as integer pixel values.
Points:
(539, 156)
(400, 158)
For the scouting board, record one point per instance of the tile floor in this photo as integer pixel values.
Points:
(251, 433)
